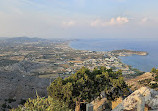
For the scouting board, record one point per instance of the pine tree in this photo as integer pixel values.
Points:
(86, 85)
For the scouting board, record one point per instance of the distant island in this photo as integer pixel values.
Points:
(125, 52)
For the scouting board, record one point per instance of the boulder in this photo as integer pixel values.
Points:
(139, 99)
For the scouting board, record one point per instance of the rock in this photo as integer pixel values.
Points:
(139, 99)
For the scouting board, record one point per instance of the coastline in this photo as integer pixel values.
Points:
(143, 63)
(134, 72)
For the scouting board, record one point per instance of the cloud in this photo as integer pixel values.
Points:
(96, 22)
(69, 23)
(145, 19)
(121, 20)
(113, 21)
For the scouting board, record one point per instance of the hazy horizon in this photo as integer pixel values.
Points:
(87, 38)
(79, 18)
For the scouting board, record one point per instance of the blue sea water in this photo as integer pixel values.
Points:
(143, 63)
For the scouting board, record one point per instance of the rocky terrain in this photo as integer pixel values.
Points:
(145, 79)
(16, 85)
(139, 89)
(140, 100)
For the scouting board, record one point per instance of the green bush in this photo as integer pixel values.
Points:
(153, 70)
(83, 86)
(86, 85)
(43, 104)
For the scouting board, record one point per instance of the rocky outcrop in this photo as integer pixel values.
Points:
(139, 99)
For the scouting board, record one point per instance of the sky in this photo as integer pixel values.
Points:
(79, 18)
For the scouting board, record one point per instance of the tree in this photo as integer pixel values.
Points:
(153, 70)
(156, 75)
(86, 85)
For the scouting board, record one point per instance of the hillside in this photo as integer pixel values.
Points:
(24, 39)
(28, 65)
(17, 86)
(140, 81)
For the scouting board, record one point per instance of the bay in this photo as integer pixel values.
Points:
(143, 63)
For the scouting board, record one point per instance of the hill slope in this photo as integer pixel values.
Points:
(135, 83)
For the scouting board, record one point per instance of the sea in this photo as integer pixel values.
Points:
(143, 63)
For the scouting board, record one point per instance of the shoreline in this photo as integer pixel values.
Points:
(144, 63)
(134, 71)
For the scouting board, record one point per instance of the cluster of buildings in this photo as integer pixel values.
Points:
(109, 61)
(58, 59)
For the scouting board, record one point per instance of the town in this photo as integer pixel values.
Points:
(52, 59)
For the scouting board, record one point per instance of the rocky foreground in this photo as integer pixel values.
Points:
(140, 100)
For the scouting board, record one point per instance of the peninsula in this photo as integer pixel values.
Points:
(125, 52)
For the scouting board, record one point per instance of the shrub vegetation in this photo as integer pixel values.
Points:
(82, 87)
(86, 85)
